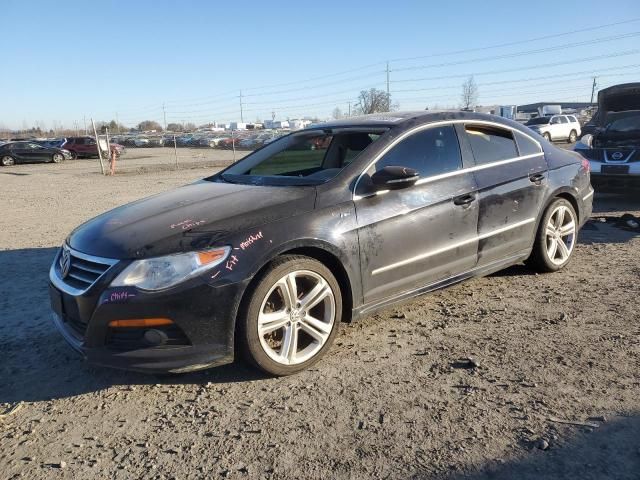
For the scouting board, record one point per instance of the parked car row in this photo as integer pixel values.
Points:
(248, 140)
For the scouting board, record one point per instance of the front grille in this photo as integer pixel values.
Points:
(83, 270)
(126, 339)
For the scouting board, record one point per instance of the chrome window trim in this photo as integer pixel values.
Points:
(60, 284)
(460, 171)
(431, 253)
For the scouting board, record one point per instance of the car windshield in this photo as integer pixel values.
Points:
(539, 121)
(308, 157)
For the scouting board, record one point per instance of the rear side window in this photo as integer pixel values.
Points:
(491, 144)
(526, 146)
(433, 151)
(564, 120)
(572, 119)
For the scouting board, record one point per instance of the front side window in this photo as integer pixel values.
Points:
(491, 144)
(430, 152)
(308, 157)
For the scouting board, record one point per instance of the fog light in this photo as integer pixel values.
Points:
(155, 337)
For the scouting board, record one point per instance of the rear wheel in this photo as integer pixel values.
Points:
(556, 237)
(547, 136)
(573, 136)
(292, 317)
(7, 160)
(74, 155)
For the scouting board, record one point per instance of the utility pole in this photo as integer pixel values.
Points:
(273, 115)
(349, 108)
(388, 84)
(593, 88)
(117, 123)
(241, 116)
(84, 119)
(164, 115)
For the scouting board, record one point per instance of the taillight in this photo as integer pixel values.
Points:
(586, 165)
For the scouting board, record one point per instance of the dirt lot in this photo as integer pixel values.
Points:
(391, 400)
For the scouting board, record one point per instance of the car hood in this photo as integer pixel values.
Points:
(194, 216)
(618, 98)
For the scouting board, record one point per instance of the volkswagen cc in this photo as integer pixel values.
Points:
(267, 257)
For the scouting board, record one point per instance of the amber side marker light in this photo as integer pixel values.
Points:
(140, 323)
(210, 256)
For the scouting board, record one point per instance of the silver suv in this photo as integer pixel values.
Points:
(556, 127)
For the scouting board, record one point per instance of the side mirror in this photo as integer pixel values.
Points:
(394, 178)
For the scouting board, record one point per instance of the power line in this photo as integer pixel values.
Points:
(519, 42)
(529, 79)
(522, 53)
(369, 66)
(519, 69)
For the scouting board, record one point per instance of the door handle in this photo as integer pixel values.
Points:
(464, 200)
(536, 178)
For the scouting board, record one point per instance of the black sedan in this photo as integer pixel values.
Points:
(29, 152)
(322, 226)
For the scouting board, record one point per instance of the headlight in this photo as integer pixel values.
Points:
(164, 272)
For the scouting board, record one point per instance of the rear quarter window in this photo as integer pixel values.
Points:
(526, 145)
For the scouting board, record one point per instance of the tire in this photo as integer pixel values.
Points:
(573, 136)
(309, 333)
(547, 136)
(7, 161)
(57, 158)
(546, 257)
(74, 155)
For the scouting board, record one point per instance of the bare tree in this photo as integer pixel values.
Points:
(174, 127)
(469, 93)
(149, 125)
(337, 113)
(373, 101)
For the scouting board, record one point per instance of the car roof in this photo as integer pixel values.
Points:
(401, 119)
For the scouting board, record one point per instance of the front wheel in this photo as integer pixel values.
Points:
(57, 157)
(7, 161)
(556, 237)
(292, 317)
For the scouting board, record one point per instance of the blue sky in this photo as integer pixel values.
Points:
(68, 60)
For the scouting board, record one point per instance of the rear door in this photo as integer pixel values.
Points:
(424, 233)
(511, 173)
(21, 152)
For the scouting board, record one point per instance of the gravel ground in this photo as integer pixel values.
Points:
(397, 397)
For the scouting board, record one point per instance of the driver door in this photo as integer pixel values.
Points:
(424, 233)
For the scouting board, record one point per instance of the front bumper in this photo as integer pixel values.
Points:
(201, 335)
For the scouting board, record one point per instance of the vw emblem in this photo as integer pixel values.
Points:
(617, 155)
(65, 262)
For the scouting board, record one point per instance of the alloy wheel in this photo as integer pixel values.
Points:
(296, 317)
(560, 235)
(57, 158)
(7, 161)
